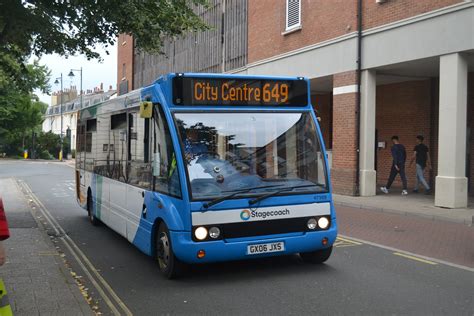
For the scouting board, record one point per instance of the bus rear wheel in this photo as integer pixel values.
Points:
(90, 213)
(316, 257)
(169, 265)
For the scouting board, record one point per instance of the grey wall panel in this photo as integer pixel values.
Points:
(323, 61)
(444, 34)
(222, 48)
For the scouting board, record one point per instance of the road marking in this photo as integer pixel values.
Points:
(80, 257)
(412, 254)
(345, 242)
(414, 258)
(48, 253)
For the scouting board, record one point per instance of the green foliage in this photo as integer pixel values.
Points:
(20, 110)
(16, 75)
(48, 142)
(20, 113)
(44, 154)
(78, 26)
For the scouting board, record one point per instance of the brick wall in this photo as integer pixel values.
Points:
(321, 20)
(375, 14)
(323, 108)
(343, 171)
(404, 109)
(125, 56)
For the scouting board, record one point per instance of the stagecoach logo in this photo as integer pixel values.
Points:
(245, 215)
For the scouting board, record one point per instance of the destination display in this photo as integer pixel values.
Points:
(250, 92)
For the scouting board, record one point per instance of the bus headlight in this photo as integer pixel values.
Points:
(312, 224)
(214, 232)
(323, 222)
(200, 233)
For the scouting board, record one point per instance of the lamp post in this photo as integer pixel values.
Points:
(61, 111)
(71, 75)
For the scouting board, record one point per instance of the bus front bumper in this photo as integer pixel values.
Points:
(186, 249)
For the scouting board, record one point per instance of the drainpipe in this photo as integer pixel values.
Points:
(359, 72)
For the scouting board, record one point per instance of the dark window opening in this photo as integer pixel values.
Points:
(91, 125)
(118, 121)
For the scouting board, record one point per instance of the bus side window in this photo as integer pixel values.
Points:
(139, 168)
(117, 148)
(167, 179)
(101, 165)
(80, 144)
(90, 144)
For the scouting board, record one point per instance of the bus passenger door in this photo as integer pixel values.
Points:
(117, 161)
(138, 171)
(80, 162)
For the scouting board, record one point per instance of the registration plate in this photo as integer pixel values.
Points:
(265, 248)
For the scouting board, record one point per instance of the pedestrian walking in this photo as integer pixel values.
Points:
(399, 156)
(420, 155)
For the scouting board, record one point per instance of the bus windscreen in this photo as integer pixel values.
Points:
(239, 92)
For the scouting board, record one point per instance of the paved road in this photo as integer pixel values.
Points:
(358, 279)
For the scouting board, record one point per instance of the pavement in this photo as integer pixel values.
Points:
(443, 241)
(36, 276)
(413, 204)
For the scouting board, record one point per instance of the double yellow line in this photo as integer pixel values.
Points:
(112, 300)
(414, 258)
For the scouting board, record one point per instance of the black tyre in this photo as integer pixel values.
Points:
(94, 220)
(169, 265)
(316, 257)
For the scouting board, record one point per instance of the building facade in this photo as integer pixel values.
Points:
(52, 117)
(378, 68)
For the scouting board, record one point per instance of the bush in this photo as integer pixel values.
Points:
(73, 153)
(48, 142)
(44, 154)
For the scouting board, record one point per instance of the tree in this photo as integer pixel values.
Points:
(78, 26)
(20, 110)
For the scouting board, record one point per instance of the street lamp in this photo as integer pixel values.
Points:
(61, 111)
(71, 75)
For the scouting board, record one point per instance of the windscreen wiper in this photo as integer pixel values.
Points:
(263, 197)
(223, 198)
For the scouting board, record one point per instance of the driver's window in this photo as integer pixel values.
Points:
(166, 177)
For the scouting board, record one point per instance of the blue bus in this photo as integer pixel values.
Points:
(199, 168)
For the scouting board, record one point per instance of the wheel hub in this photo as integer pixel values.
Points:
(163, 251)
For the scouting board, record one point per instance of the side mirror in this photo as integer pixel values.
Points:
(156, 165)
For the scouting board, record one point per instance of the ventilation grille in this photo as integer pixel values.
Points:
(293, 14)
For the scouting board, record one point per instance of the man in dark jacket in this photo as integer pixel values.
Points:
(422, 158)
(399, 156)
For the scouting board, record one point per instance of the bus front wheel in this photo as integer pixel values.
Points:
(90, 213)
(169, 265)
(316, 257)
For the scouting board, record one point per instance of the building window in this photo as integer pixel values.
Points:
(124, 71)
(293, 14)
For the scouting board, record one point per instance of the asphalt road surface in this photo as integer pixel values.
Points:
(357, 279)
